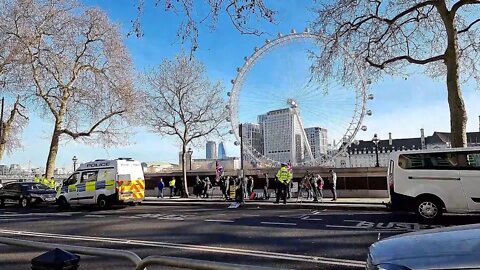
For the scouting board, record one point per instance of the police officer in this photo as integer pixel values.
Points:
(171, 185)
(284, 177)
(44, 180)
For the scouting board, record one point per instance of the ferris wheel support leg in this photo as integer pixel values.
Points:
(305, 139)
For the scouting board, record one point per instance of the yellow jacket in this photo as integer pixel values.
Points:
(284, 176)
(171, 183)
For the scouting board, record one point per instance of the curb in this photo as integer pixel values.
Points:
(250, 205)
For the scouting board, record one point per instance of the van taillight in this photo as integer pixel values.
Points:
(390, 181)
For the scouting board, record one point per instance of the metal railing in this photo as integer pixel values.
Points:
(139, 264)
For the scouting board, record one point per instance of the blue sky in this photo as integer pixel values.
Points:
(400, 106)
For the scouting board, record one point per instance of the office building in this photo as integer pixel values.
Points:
(221, 151)
(211, 150)
(318, 140)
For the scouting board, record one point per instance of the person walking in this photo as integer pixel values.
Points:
(284, 177)
(251, 184)
(197, 188)
(333, 184)
(320, 184)
(224, 185)
(207, 186)
(171, 185)
(245, 187)
(314, 185)
(160, 186)
(266, 195)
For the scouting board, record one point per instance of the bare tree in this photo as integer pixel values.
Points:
(12, 61)
(12, 128)
(181, 101)
(80, 69)
(383, 37)
(240, 12)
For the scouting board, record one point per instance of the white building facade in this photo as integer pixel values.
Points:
(282, 136)
(317, 138)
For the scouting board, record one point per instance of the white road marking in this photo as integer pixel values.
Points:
(20, 219)
(219, 220)
(279, 223)
(129, 217)
(250, 215)
(222, 250)
(95, 216)
(172, 218)
(37, 215)
(312, 219)
(368, 230)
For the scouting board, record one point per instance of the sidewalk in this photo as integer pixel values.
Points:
(344, 203)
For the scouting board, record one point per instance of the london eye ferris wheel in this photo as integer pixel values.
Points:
(283, 115)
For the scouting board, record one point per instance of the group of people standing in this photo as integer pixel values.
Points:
(313, 184)
(202, 187)
(176, 188)
(51, 183)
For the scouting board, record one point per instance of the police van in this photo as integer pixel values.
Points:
(104, 183)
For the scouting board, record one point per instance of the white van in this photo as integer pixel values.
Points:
(104, 182)
(431, 182)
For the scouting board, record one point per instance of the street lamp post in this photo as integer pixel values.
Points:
(74, 159)
(190, 153)
(375, 140)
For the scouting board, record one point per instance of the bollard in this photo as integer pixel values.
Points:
(57, 259)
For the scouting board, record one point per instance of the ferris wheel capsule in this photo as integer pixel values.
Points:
(369, 112)
(293, 31)
(227, 107)
(245, 58)
(231, 131)
(279, 35)
(228, 119)
(232, 81)
(307, 30)
(364, 128)
(370, 96)
(236, 143)
(238, 69)
(255, 49)
(229, 94)
(267, 41)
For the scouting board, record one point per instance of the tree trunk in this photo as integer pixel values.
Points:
(6, 129)
(52, 154)
(458, 113)
(184, 171)
(2, 148)
(3, 139)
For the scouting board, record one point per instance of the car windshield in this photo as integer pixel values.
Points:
(38, 187)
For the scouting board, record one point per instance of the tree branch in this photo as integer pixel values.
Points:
(469, 26)
(76, 135)
(462, 3)
(405, 58)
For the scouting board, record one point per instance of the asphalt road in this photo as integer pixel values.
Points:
(269, 237)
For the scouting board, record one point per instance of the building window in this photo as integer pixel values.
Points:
(343, 164)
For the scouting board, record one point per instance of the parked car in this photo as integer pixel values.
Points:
(446, 248)
(26, 194)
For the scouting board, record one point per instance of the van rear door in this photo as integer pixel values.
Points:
(469, 165)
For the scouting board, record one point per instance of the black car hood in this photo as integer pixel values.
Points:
(42, 192)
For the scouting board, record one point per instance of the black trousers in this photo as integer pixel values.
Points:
(281, 192)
